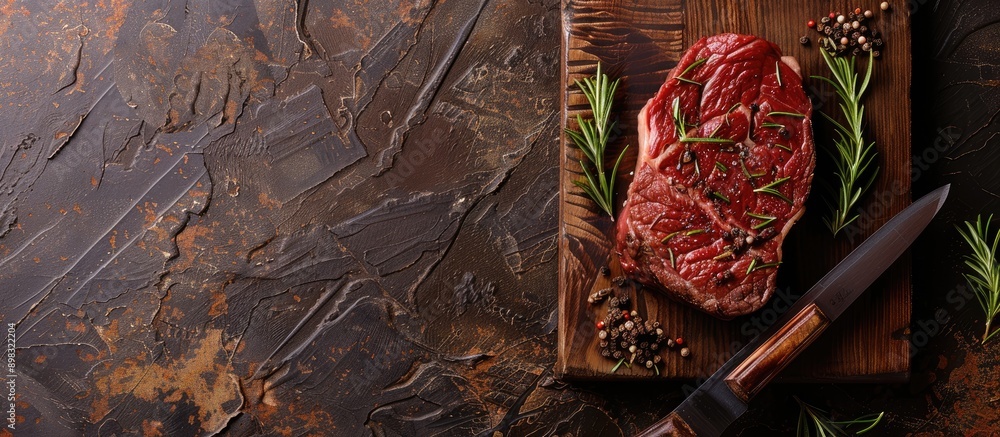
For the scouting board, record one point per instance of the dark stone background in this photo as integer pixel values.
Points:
(339, 218)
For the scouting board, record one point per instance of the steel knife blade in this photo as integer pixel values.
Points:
(723, 398)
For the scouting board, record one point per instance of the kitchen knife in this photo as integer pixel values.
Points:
(724, 396)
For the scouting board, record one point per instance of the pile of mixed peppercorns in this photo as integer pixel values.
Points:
(851, 33)
(626, 337)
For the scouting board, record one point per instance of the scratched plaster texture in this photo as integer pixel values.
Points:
(339, 218)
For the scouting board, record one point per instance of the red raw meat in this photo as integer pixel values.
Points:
(697, 219)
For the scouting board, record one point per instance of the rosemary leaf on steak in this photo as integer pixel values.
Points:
(593, 139)
(852, 155)
(984, 274)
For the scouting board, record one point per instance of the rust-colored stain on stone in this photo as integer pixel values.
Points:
(202, 376)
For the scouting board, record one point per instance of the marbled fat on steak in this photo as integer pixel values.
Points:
(726, 159)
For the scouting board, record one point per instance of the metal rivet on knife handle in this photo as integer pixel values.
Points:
(766, 361)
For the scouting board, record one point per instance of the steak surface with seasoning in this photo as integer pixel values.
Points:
(726, 159)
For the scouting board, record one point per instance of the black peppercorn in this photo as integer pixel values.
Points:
(804, 40)
(605, 271)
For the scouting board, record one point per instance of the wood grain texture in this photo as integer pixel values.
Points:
(640, 43)
(770, 358)
(672, 425)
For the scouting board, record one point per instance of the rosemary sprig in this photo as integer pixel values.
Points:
(720, 196)
(620, 362)
(765, 266)
(692, 66)
(984, 275)
(811, 418)
(706, 140)
(790, 114)
(669, 236)
(593, 138)
(772, 189)
(681, 127)
(852, 154)
(692, 82)
(767, 220)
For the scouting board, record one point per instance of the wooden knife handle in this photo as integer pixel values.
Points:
(672, 425)
(768, 359)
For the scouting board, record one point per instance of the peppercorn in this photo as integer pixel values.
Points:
(671, 343)
(884, 6)
(685, 352)
(605, 271)
(804, 40)
(625, 314)
(876, 53)
(840, 18)
(831, 16)
(600, 325)
(679, 341)
(868, 13)
(602, 334)
(866, 47)
(811, 23)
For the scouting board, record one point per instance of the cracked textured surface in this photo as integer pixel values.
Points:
(339, 218)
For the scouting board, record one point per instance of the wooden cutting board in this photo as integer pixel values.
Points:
(639, 42)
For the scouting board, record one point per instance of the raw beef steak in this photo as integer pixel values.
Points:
(725, 163)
